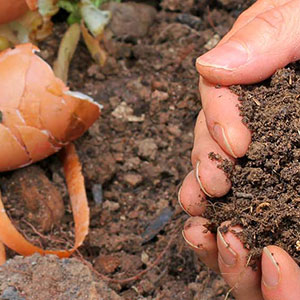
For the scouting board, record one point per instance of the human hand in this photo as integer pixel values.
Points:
(264, 38)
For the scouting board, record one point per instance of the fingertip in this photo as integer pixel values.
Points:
(267, 38)
(282, 258)
(201, 241)
(239, 137)
(226, 57)
(234, 138)
(231, 250)
(234, 264)
(211, 178)
(207, 157)
(223, 119)
(280, 275)
(270, 269)
(190, 197)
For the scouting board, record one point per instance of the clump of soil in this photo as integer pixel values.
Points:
(265, 196)
(48, 278)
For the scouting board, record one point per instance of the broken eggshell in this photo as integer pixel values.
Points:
(39, 114)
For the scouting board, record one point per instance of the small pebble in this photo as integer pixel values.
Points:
(157, 224)
(97, 193)
(11, 293)
(133, 179)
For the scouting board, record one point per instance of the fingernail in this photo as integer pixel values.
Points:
(179, 201)
(199, 248)
(220, 136)
(270, 274)
(227, 255)
(228, 56)
(188, 241)
(199, 180)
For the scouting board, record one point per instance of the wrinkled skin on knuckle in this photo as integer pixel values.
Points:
(274, 20)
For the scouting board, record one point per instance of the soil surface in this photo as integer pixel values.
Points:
(48, 278)
(265, 195)
(134, 159)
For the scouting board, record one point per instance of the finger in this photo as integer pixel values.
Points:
(249, 14)
(211, 178)
(269, 41)
(221, 109)
(190, 196)
(234, 266)
(280, 275)
(202, 241)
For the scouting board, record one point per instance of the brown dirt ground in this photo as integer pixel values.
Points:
(138, 152)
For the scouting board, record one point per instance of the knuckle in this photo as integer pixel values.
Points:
(259, 6)
(273, 19)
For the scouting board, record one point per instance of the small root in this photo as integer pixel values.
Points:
(138, 275)
(228, 293)
(262, 205)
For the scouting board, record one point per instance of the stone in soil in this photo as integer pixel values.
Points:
(131, 20)
(31, 189)
(133, 179)
(266, 182)
(147, 149)
(48, 278)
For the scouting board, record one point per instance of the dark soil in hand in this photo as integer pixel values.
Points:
(265, 196)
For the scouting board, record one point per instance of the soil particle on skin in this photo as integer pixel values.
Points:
(266, 182)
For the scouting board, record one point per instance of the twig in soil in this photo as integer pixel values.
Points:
(27, 237)
(210, 20)
(256, 102)
(132, 278)
(244, 195)
(184, 53)
(161, 275)
(262, 205)
(34, 229)
(248, 260)
(241, 274)
(228, 292)
(44, 237)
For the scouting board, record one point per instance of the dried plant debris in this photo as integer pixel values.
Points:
(265, 195)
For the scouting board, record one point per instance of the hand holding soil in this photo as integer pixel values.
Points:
(264, 39)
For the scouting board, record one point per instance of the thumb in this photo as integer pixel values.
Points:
(268, 41)
(280, 275)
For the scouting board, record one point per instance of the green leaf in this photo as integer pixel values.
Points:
(97, 3)
(74, 17)
(47, 8)
(94, 18)
(68, 5)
